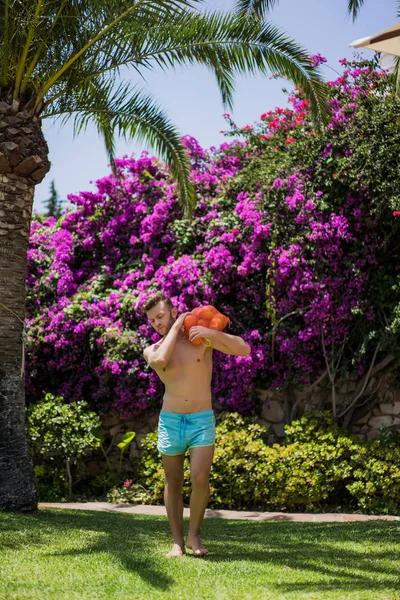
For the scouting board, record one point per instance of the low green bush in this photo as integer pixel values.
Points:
(364, 473)
(242, 467)
(151, 472)
(96, 488)
(240, 444)
(319, 467)
(375, 469)
(314, 463)
(60, 435)
(129, 492)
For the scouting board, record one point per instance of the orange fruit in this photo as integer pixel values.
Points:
(205, 316)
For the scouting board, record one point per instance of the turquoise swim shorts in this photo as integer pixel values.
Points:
(177, 432)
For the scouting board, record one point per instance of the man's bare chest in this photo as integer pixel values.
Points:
(186, 359)
(187, 354)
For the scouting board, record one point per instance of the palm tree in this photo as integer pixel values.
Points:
(66, 59)
(260, 8)
(354, 7)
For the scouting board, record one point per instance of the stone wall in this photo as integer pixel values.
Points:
(386, 414)
(367, 421)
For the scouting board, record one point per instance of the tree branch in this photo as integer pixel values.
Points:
(371, 372)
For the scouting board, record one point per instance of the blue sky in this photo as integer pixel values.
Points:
(191, 98)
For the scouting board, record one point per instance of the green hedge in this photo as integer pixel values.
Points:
(320, 467)
(60, 435)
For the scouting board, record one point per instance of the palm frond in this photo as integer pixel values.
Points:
(396, 74)
(132, 114)
(24, 54)
(66, 57)
(257, 8)
(353, 7)
(226, 44)
(141, 8)
(41, 37)
(231, 45)
(5, 48)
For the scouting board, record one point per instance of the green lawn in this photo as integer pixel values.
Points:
(65, 554)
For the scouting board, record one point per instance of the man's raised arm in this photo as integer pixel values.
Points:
(159, 355)
(229, 344)
(224, 342)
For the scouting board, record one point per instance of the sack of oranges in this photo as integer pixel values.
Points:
(205, 316)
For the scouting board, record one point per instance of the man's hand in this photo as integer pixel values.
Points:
(181, 318)
(198, 331)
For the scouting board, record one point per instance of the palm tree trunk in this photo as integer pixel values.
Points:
(18, 488)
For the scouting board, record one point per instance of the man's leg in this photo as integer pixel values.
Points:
(200, 465)
(173, 468)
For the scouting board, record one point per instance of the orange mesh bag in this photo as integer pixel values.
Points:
(206, 316)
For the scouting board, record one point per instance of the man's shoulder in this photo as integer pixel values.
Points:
(148, 349)
(152, 347)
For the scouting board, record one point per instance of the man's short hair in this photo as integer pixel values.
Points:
(154, 299)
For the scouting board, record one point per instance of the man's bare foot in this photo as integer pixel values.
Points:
(193, 543)
(177, 550)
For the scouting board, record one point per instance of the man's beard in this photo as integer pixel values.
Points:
(168, 327)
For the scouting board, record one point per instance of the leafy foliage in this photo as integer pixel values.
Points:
(60, 435)
(68, 60)
(320, 466)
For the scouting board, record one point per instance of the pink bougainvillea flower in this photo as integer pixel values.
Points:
(235, 231)
(274, 124)
(317, 59)
(264, 136)
(128, 483)
(289, 140)
(396, 213)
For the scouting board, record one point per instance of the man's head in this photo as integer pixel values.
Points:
(160, 312)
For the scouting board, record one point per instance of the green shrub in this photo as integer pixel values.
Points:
(314, 425)
(59, 436)
(52, 483)
(129, 492)
(241, 475)
(319, 466)
(96, 488)
(249, 474)
(151, 472)
(375, 481)
(308, 474)
(237, 473)
(314, 462)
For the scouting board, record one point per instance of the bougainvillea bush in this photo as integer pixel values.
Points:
(293, 237)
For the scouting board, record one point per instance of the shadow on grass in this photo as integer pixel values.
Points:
(133, 542)
(345, 556)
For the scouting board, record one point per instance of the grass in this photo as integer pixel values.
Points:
(61, 554)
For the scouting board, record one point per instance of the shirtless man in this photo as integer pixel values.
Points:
(186, 419)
